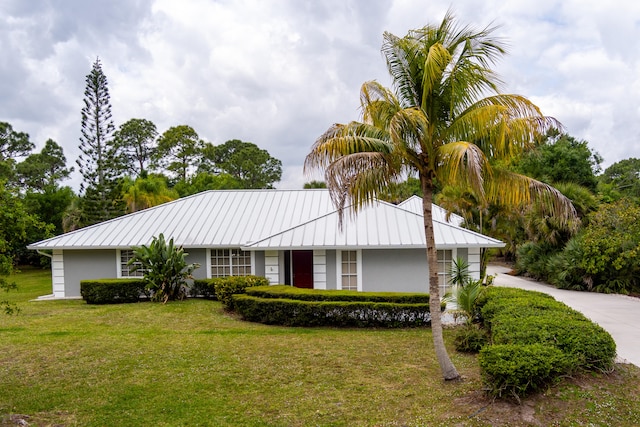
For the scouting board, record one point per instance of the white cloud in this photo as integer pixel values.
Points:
(278, 73)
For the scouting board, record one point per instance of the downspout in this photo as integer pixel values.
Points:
(39, 251)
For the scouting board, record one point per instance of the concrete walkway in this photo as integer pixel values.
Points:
(617, 314)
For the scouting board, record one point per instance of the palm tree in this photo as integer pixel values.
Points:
(146, 191)
(439, 126)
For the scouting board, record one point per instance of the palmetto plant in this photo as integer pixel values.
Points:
(445, 121)
(165, 268)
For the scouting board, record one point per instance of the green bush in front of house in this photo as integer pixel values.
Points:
(290, 312)
(112, 291)
(290, 292)
(226, 287)
(535, 340)
(204, 288)
(517, 370)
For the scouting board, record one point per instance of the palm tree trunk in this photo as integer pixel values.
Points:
(449, 371)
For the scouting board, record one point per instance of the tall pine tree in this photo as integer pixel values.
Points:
(101, 199)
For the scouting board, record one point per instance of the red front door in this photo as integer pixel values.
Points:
(302, 269)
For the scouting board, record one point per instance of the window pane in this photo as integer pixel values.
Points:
(227, 262)
(127, 270)
(349, 270)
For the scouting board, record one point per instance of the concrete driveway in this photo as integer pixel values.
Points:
(618, 314)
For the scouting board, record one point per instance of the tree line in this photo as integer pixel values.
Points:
(124, 169)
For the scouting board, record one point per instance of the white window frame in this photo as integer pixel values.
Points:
(119, 264)
(444, 276)
(358, 268)
(232, 256)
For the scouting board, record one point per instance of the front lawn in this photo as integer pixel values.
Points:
(190, 363)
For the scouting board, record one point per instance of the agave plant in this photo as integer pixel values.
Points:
(165, 268)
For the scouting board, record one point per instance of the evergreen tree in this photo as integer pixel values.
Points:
(179, 148)
(13, 144)
(98, 159)
(44, 169)
(135, 141)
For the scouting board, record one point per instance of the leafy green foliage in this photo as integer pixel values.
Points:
(470, 338)
(610, 248)
(13, 144)
(17, 227)
(290, 292)
(565, 269)
(226, 287)
(398, 192)
(135, 141)
(315, 184)
(562, 158)
(178, 149)
(204, 181)
(112, 291)
(204, 288)
(464, 293)
(286, 312)
(165, 269)
(44, 170)
(516, 370)
(8, 307)
(621, 179)
(290, 306)
(252, 166)
(146, 191)
(535, 339)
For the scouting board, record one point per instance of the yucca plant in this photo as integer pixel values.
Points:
(165, 269)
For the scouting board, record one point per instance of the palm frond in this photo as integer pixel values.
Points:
(463, 163)
(340, 140)
(355, 180)
(509, 188)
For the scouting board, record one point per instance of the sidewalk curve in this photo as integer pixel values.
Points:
(617, 314)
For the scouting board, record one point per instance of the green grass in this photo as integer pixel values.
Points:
(190, 363)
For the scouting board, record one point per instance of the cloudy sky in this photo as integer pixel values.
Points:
(278, 73)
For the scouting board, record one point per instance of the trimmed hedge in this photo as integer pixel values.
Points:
(289, 312)
(290, 292)
(518, 370)
(112, 291)
(226, 287)
(204, 288)
(536, 339)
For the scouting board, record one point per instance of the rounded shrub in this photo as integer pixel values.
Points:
(226, 287)
(518, 369)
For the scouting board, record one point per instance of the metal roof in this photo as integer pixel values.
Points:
(414, 204)
(265, 219)
(216, 218)
(380, 226)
